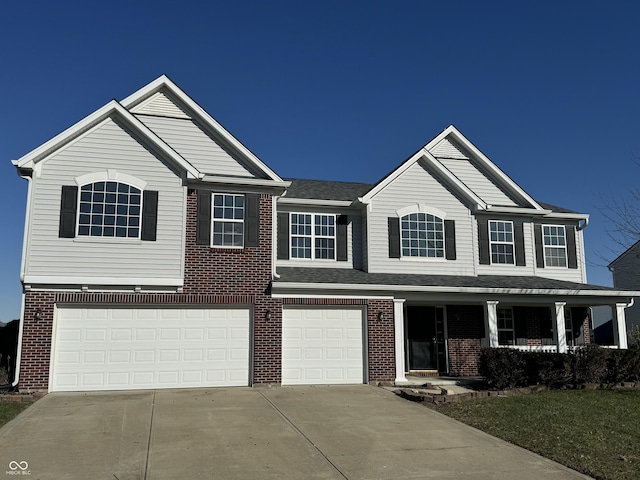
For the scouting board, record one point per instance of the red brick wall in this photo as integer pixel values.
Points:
(381, 335)
(465, 329)
(212, 277)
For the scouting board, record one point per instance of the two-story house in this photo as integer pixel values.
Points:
(159, 252)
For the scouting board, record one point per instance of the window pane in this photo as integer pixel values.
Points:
(422, 235)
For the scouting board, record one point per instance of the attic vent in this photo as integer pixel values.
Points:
(160, 105)
(448, 149)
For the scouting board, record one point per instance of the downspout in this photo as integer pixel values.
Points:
(29, 179)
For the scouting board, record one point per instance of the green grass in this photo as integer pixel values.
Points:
(595, 432)
(9, 410)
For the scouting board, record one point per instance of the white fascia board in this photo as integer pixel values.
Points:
(425, 154)
(281, 286)
(517, 210)
(143, 281)
(513, 186)
(314, 202)
(164, 82)
(567, 216)
(248, 181)
(97, 117)
(466, 191)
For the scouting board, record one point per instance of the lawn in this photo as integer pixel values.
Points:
(9, 410)
(595, 432)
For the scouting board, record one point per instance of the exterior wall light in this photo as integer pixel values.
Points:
(38, 315)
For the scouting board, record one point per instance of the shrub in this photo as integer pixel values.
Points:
(506, 368)
(502, 367)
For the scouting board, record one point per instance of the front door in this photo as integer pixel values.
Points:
(426, 338)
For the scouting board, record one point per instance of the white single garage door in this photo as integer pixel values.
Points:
(138, 348)
(322, 346)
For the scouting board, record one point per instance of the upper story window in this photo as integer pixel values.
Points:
(422, 235)
(506, 330)
(313, 236)
(501, 242)
(228, 220)
(109, 209)
(555, 245)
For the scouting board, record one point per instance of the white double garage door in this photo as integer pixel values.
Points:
(147, 348)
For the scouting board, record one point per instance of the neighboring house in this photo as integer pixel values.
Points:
(626, 275)
(159, 252)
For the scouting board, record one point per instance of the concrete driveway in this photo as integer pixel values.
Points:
(353, 432)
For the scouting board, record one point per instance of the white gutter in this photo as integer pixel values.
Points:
(517, 210)
(16, 378)
(448, 289)
(261, 182)
(315, 202)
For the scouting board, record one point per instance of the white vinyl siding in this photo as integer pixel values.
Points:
(417, 186)
(448, 149)
(141, 348)
(107, 146)
(159, 104)
(322, 346)
(198, 148)
(478, 182)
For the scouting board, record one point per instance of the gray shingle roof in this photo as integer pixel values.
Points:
(350, 191)
(326, 189)
(554, 208)
(358, 277)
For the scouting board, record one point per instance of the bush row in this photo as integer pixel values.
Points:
(506, 368)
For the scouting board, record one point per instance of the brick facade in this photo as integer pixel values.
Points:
(465, 330)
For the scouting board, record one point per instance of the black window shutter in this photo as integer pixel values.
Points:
(251, 220)
(537, 233)
(518, 236)
(149, 215)
(283, 236)
(483, 241)
(203, 221)
(394, 237)
(341, 238)
(68, 206)
(450, 239)
(572, 257)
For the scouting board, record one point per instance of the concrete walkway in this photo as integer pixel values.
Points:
(352, 432)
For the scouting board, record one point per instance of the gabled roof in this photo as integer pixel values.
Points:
(122, 111)
(164, 83)
(111, 109)
(425, 154)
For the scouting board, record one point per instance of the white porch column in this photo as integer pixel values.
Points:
(491, 322)
(618, 318)
(559, 329)
(398, 319)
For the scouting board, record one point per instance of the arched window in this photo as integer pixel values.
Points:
(422, 235)
(109, 209)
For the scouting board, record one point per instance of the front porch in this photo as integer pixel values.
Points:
(433, 340)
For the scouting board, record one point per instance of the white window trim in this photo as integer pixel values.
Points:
(512, 243)
(544, 246)
(102, 177)
(430, 211)
(568, 327)
(314, 236)
(512, 329)
(225, 220)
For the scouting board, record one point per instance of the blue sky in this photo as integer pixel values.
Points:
(344, 90)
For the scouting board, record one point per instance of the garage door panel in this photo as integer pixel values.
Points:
(114, 349)
(322, 346)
